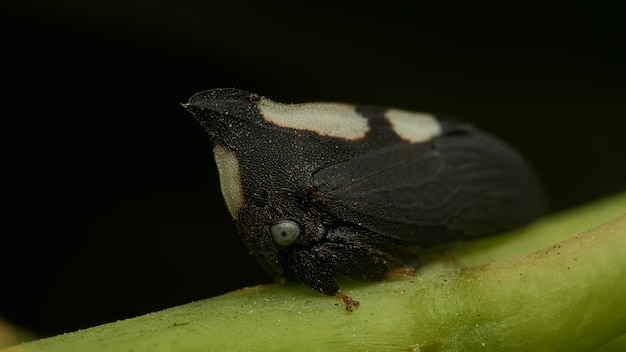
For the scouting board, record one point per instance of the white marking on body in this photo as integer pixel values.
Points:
(230, 178)
(326, 119)
(414, 127)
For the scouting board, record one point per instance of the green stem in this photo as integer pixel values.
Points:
(526, 291)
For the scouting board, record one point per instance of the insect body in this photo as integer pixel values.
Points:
(324, 189)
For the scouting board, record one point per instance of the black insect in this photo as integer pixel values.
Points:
(325, 189)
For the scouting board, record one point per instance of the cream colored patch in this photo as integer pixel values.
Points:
(230, 178)
(414, 127)
(326, 119)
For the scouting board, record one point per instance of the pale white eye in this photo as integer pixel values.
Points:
(285, 232)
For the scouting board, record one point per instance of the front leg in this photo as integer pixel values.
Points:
(313, 272)
(355, 261)
(358, 260)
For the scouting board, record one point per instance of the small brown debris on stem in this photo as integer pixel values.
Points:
(402, 271)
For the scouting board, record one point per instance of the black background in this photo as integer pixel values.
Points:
(111, 199)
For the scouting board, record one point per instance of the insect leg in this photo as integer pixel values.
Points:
(310, 270)
(313, 272)
(355, 261)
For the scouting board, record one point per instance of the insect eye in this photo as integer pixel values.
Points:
(285, 232)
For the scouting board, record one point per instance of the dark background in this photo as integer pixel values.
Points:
(111, 199)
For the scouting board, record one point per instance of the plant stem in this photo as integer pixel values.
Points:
(492, 294)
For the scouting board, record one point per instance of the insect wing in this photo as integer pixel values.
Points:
(459, 185)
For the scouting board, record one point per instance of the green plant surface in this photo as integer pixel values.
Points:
(552, 286)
